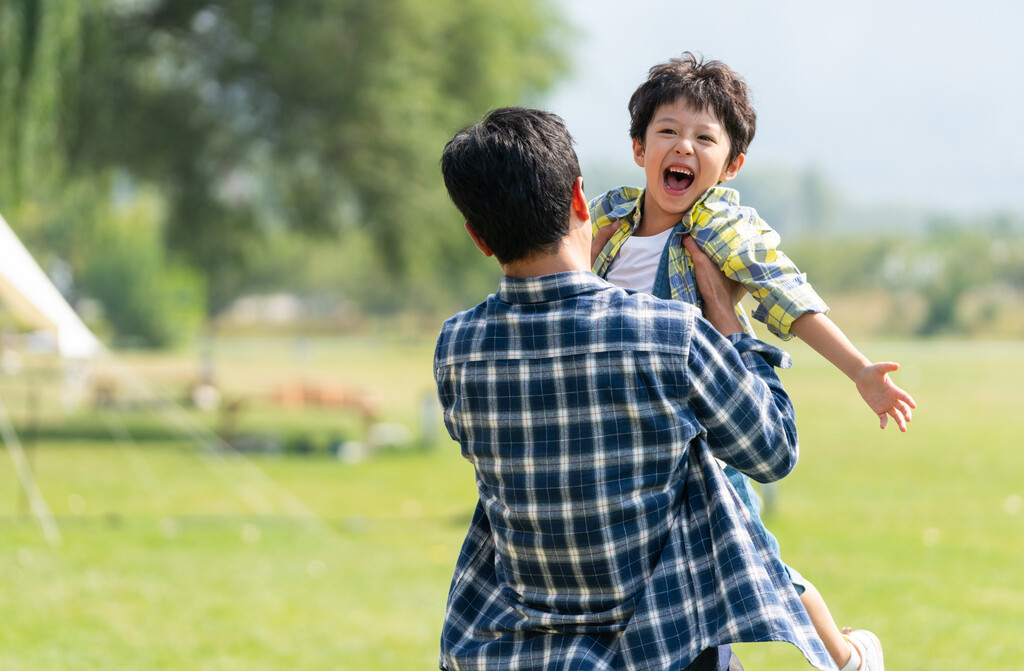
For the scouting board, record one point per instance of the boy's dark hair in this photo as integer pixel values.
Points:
(511, 176)
(706, 85)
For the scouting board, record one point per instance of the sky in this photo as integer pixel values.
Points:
(912, 102)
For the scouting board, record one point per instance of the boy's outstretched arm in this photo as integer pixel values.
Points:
(872, 379)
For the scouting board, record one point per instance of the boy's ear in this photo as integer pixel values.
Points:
(580, 206)
(730, 171)
(478, 241)
(638, 152)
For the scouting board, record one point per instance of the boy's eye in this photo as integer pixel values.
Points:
(667, 131)
(706, 138)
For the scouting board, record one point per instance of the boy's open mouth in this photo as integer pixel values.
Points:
(678, 179)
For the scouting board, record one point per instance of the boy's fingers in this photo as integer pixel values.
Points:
(900, 411)
(888, 366)
(901, 421)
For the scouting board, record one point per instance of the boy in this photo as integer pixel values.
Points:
(606, 535)
(691, 123)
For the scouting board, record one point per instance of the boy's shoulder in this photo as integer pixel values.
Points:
(719, 208)
(718, 199)
(616, 204)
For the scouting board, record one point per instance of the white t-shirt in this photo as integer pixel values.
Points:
(636, 265)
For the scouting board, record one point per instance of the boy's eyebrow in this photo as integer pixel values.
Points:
(668, 118)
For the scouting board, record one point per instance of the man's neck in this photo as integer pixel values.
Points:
(544, 264)
(572, 253)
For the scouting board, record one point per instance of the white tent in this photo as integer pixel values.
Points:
(35, 302)
(31, 296)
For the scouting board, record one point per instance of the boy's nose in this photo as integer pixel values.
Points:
(684, 147)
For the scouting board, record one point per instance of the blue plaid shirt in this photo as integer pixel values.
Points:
(606, 535)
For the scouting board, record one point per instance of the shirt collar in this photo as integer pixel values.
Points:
(630, 209)
(549, 287)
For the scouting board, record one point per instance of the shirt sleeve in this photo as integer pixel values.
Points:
(739, 400)
(746, 249)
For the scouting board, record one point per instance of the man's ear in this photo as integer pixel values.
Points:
(580, 206)
(730, 171)
(478, 241)
(638, 152)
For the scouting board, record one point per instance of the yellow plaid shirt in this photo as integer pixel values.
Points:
(739, 241)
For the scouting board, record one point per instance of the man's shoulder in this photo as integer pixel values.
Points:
(609, 320)
(459, 329)
(652, 321)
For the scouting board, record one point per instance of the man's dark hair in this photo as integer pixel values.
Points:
(706, 85)
(511, 176)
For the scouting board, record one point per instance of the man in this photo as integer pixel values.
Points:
(606, 535)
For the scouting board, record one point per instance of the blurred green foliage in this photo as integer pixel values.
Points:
(254, 120)
(135, 275)
(324, 118)
(39, 55)
(116, 252)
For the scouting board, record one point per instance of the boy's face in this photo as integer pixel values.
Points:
(685, 152)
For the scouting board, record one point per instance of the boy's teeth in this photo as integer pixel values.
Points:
(678, 178)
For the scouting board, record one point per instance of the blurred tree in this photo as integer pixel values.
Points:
(135, 276)
(962, 260)
(324, 117)
(114, 253)
(39, 54)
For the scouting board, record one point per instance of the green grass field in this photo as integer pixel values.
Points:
(177, 557)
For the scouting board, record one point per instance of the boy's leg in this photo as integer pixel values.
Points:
(837, 646)
(716, 659)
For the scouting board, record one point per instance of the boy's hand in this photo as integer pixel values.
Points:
(884, 397)
(872, 379)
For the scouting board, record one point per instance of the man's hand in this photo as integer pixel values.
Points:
(884, 397)
(719, 294)
(599, 240)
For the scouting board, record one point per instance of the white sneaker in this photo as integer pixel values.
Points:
(868, 647)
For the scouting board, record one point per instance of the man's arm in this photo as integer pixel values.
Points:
(719, 294)
(872, 379)
(737, 396)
